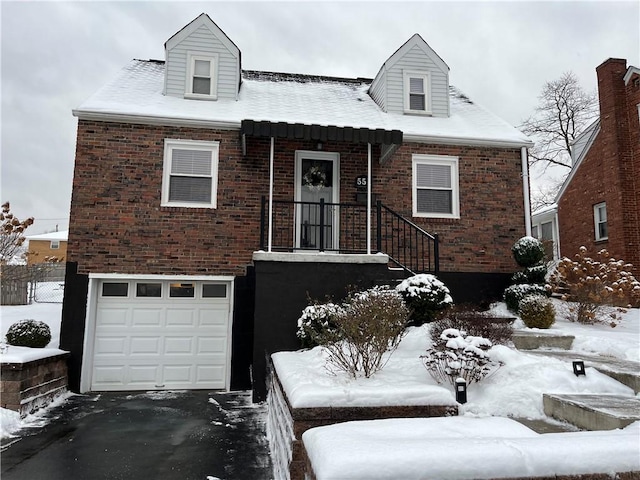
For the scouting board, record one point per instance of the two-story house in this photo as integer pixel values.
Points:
(211, 202)
(598, 205)
(46, 246)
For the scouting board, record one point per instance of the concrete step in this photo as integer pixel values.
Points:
(530, 340)
(593, 411)
(546, 425)
(624, 371)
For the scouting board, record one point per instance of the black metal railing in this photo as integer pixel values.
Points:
(408, 245)
(342, 227)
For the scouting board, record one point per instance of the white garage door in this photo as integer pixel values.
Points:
(154, 335)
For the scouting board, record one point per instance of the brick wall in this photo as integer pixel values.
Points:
(608, 173)
(118, 225)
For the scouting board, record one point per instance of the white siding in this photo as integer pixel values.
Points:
(379, 91)
(202, 40)
(416, 60)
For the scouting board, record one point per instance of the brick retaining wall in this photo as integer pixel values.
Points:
(27, 387)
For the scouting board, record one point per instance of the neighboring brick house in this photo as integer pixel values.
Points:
(599, 202)
(209, 202)
(46, 246)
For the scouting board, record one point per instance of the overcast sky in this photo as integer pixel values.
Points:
(56, 54)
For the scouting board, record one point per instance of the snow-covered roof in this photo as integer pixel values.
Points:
(135, 95)
(579, 150)
(60, 236)
(545, 210)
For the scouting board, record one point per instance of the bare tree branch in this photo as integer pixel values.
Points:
(564, 111)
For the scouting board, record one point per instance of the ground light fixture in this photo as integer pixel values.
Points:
(461, 390)
(578, 368)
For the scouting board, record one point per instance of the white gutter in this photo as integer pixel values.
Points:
(525, 189)
(368, 199)
(270, 193)
(470, 141)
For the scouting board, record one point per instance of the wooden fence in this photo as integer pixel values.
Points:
(18, 283)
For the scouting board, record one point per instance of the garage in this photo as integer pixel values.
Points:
(161, 334)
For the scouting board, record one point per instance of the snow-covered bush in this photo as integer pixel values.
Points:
(425, 296)
(536, 311)
(594, 284)
(474, 323)
(532, 275)
(528, 252)
(370, 324)
(515, 293)
(29, 333)
(455, 355)
(317, 324)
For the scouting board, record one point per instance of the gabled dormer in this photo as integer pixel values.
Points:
(413, 81)
(202, 62)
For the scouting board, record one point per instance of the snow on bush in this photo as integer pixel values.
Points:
(370, 325)
(318, 323)
(531, 275)
(455, 355)
(528, 252)
(515, 293)
(537, 311)
(29, 333)
(425, 295)
(474, 323)
(594, 285)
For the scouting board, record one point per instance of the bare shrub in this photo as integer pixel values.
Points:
(473, 323)
(456, 355)
(594, 284)
(370, 325)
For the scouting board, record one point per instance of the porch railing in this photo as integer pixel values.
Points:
(408, 246)
(342, 227)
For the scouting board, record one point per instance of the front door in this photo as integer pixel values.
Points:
(317, 180)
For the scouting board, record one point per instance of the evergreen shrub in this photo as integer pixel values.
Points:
(515, 293)
(537, 311)
(425, 296)
(29, 333)
(528, 252)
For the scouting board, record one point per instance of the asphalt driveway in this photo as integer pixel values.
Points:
(185, 435)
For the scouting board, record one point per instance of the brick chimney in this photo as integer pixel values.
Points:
(611, 91)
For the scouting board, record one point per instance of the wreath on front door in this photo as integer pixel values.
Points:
(314, 178)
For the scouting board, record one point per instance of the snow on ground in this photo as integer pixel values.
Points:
(515, 389)
(49, 313)
(10, 421)
(464, 448)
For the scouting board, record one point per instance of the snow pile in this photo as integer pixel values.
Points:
(13, 354)
(493, 448)
(10, 422)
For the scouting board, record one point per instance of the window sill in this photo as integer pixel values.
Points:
(208, 206)
(198, 96)
(424, 113)
(435, 216)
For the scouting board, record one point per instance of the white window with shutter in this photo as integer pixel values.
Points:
(417, 92)
(190, 174)
(435, 186)
(201, 81)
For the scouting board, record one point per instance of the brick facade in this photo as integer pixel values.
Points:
(119, 226)
(609, 172)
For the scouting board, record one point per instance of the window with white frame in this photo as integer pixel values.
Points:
(417, 92)
(190, 174)
(600, 220)
(54, 245)
(201, 79)
(435, 186)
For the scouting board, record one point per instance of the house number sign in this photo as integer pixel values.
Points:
(361, 182)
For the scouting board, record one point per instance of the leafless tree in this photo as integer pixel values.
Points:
(12, 234)
(564, 111)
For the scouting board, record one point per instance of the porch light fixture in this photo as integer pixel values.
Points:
(578, 368)
(461, 390)
(319, 146)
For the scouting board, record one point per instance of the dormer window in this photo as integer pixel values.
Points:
(417, 92)
(201, 79)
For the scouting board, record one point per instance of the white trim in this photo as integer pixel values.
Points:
(368, 199)
(450, 161)
(407, 75)
(54, 244)
(213, 59)
(466, 141)
(629, 73)
(96, 279)
(316, 155)
(271, 158)
(169, 145)
(525, 190)
(592, 131)
(320, 257)
(597, 220)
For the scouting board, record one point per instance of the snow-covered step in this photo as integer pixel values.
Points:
(593, 411)
(624, 371)
(525, 340)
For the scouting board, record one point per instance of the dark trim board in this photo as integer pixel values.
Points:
(476, 288)
(72, 328)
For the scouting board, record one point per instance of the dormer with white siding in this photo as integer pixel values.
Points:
(202, 63)
(413, 81)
